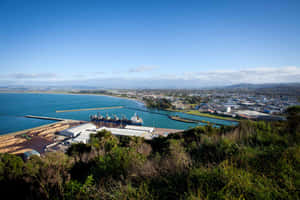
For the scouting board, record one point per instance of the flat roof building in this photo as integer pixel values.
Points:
(250, 114)
(128, 132)
(75, 131)
(81, 134)
(140, 128)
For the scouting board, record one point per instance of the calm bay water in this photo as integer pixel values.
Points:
(13, 106)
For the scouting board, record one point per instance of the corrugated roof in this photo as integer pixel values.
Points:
(140, 128)
(127, 132)
(78, 129)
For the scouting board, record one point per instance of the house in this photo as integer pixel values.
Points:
(204, 107)
(179, 105)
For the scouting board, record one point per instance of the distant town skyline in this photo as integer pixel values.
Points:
(149, 43)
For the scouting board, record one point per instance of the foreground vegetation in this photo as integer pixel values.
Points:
(256, 160)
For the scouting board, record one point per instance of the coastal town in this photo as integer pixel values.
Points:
(222, 104)
(226, 104)
(229, 105)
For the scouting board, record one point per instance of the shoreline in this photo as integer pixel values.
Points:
(69, 93)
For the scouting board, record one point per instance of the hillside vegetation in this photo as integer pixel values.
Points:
(256, 160)
(160, 104)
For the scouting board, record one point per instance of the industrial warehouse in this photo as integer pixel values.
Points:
(81, 134)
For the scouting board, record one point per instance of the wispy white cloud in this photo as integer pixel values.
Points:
(195, 79)
(253, 75)
(143, 68)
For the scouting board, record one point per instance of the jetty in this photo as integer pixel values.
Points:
(87, 109)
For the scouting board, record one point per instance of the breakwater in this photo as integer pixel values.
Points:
(45, 118)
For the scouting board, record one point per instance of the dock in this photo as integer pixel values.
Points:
(87, 109)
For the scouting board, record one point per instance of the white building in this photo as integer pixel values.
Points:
(250, 114)
(77, 130)
(128, 132)
(81, 134)
(140, 128)
(228, 109)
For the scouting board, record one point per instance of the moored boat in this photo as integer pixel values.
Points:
(135, 120)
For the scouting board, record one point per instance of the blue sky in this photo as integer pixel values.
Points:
(192, 42)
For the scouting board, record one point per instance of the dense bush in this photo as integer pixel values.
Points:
(157, 103)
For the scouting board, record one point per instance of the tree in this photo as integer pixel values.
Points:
(293, 117)
(104, 140)
(79, 150)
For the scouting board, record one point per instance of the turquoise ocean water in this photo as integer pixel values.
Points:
(13, 107)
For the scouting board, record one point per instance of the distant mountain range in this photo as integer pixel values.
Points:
(242, 86)
(260, 86)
